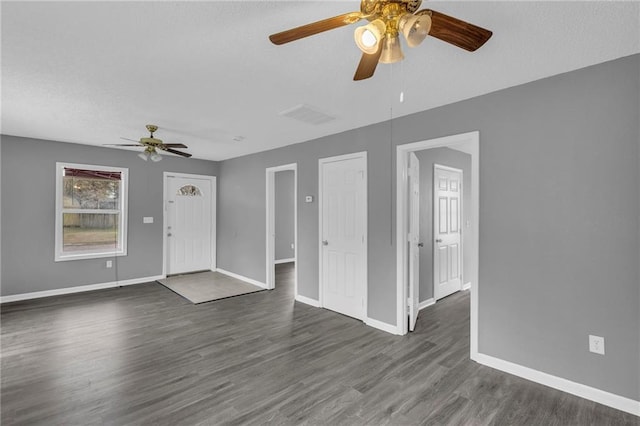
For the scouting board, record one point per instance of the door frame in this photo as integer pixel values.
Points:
(165, 251)
(365, 280)
(270, 173)
(466, 142)
(461, 208)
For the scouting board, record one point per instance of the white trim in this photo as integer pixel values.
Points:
(279, 261)
(307, 301)
(270, 250)
(602, 397)
(59, 255)
(466, 286)
(214, 201)
(389, 328)
(242, 278)
(470, 143)
(426, 304)
(77, 289)
(365, 290)
(447, 168)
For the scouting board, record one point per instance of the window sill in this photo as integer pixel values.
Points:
(83, 256)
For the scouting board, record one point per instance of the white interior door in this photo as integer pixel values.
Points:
(189, 224)
(343, 232)
(447, 196)
(414, 239)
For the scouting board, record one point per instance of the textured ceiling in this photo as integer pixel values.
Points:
(205, 72)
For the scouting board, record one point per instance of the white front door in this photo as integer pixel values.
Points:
(447, 196)
(414, 239)
(343, 221)
(189, 224)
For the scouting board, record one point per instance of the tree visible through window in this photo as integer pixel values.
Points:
(90, 211)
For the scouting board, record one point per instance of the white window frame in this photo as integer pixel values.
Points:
(122, 237)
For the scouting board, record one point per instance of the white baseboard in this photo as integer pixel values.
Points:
(426, 303)
(389, 328)
(308, 301)
(467, 286)
(77, 289)
(242, 278)
(277, 262)
(602, 397)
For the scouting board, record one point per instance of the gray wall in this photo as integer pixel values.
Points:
(28, 216)
(559, 218)
(451, 158)
(284, 214)
(241, 230)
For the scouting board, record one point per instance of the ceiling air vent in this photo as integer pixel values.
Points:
(307, 114)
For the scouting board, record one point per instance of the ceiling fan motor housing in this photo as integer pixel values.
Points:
(151, 141)
(374, 8)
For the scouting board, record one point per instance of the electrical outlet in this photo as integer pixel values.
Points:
(109, 263)
(596, 344)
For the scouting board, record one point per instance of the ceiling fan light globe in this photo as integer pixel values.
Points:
(155, 157)
(391, 51)
(368, 37)
(144, 155)
(414, 28)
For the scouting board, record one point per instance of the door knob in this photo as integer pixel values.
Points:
(420, 244)
(325, 242)
(169, 234)
(438, 241)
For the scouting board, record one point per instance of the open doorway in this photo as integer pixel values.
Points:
(430, 153)
(282, 228)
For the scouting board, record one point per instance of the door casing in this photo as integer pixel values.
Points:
(271, 224)
(466, 142)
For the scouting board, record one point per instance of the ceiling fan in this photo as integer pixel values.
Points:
(151, 144)
(379, 40)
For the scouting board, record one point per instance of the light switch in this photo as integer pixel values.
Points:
(147, 219)
(308, 199)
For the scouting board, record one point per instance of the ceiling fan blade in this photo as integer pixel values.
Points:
(127, 139)
(175, 145)
(173, 151)
(367, 65)
(121, 144)
(315, 28)
(455, 31)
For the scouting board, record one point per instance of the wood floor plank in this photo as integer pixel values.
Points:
(141, 355)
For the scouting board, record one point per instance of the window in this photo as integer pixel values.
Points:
(190, 191)
(91, 211)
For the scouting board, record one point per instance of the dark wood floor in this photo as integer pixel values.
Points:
(144, 355)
